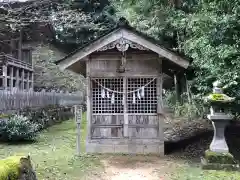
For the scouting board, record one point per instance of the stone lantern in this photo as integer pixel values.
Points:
(218, 156)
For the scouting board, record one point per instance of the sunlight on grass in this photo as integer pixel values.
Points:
(196, 173)
(54, 155)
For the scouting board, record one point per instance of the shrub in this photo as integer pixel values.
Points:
(47, 116)
(191, 110)
(18, 128)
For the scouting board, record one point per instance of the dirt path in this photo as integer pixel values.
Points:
(138, 168)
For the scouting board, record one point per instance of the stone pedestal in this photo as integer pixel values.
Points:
(219, 123)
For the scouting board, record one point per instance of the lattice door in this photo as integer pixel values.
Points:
(108, 106)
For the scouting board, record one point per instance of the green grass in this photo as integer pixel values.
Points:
(54, 155)
(192, 172)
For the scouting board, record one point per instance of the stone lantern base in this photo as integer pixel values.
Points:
(219, 161)
(218, 156)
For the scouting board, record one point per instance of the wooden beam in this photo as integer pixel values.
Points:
(100, 74)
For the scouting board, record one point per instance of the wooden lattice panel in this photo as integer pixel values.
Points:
(105, 105)
(145, 104)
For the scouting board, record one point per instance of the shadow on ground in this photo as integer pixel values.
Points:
(195, 146)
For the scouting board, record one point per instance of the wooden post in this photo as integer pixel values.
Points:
(5, 76)
(17, 78)
(160, 103)
(177, 88)
(89, 104)
(22, 78)
(32, 79)
(11, 77)
(125, 127)
(78, 119)
(28, 74)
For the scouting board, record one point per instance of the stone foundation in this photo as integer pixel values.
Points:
(127, 147)
(218, 161)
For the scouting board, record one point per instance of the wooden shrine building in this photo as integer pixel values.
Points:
(16, 66)
(124, 71)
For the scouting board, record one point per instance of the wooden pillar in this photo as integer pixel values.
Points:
(125, 113)
(11, 77)
(5, 76)
(27, 80)
(17, 78)
(22, 79)
(32, 79)
(160, 102)
(89, 104)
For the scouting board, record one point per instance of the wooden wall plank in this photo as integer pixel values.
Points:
(148, 126)
(107, 126)
(138, 65)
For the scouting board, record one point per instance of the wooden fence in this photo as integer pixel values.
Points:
(17, 100)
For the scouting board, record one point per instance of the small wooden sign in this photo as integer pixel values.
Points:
(78, 113)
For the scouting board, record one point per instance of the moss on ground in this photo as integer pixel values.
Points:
(221, 158)
(9, 168)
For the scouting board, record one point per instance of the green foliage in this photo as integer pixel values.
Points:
(48, 75)
(207, 31)
(191, 110)
(18, 128)
(9, 168)
(47, 116)
(81, 21)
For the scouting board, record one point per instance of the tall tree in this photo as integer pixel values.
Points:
(206, 30)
